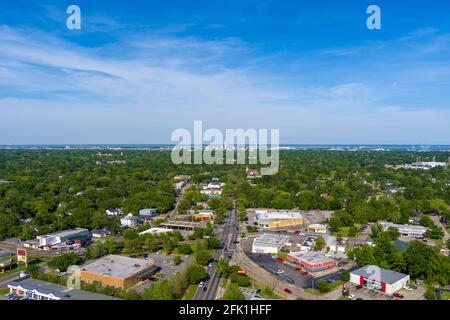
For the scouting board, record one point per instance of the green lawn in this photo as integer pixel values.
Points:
(190, 292)
(4, 291)
(333, 287)
(445, 296)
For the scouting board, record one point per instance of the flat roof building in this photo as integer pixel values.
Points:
(155, 231)
(317, 228)
(278, 219)
(311, 261)
(34, 289)
(268, 243)
(61, 237)
(117, 271)
(406, 229)
(374, 277)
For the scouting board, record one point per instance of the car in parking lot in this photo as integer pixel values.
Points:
(351, 296)
(398, 295)
(305, 273)
(288, 291)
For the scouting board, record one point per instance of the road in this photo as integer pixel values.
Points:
(172, 212)
(7, 279)
(229, 236)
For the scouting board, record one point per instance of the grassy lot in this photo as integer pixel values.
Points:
(445, 296)
(190, 292)
(333, 287)
(4, 291)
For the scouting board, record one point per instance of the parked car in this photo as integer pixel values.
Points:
(398, 295)
(287, 291)
(305, 273)
(351, 296)
(279, 271)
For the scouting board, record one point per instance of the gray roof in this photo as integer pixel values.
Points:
(379, 274)
(57, 290)
(115, 266)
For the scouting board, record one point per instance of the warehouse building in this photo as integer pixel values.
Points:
(268, 243)
(406, 229)
(64, 240)
(278, 219)
(117, 271)
(311, 261)
(376, 278)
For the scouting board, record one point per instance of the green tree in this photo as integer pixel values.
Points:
(203, 257)
(64, 261)
(233, 293)
(195, 274)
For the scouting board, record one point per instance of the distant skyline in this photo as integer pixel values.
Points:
(137, 71)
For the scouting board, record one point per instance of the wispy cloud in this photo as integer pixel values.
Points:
(143, 86)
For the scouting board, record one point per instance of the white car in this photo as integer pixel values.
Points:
(351, 296)
(210, 265)
(409, 288)
(200, 284)
(279, 271)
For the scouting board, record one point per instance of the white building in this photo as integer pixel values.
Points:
(155, 231)
(317, 228)
(268, 243)
(335, 246)
(383, 280)
(130, 221)
(116, 212)
(179, 185)
(406, 229)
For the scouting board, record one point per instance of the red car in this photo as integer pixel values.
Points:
(297, 231)
(287, 291)
(280, 259)
(398, 295)
(305, 273)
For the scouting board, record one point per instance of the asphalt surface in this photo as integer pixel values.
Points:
(228, 235)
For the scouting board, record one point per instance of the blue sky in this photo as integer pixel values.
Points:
(137, 70)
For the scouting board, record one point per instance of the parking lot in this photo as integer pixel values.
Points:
(289, 274)
(366, 294)
(168, 269)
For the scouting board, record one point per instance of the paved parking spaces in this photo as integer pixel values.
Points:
(367, 294)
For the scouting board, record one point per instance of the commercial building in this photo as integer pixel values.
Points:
(268, 243)
(278, 219)
(117, 271)
(317, 228)
(311, 261)
(64, 240)
(204, 215)
(374, 277)
(182, 225)
(406, 229)
(33, 289)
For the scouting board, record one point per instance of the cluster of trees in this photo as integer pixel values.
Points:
(64, 261)
(59, 189)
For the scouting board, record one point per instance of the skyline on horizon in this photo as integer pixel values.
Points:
(133, 74)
